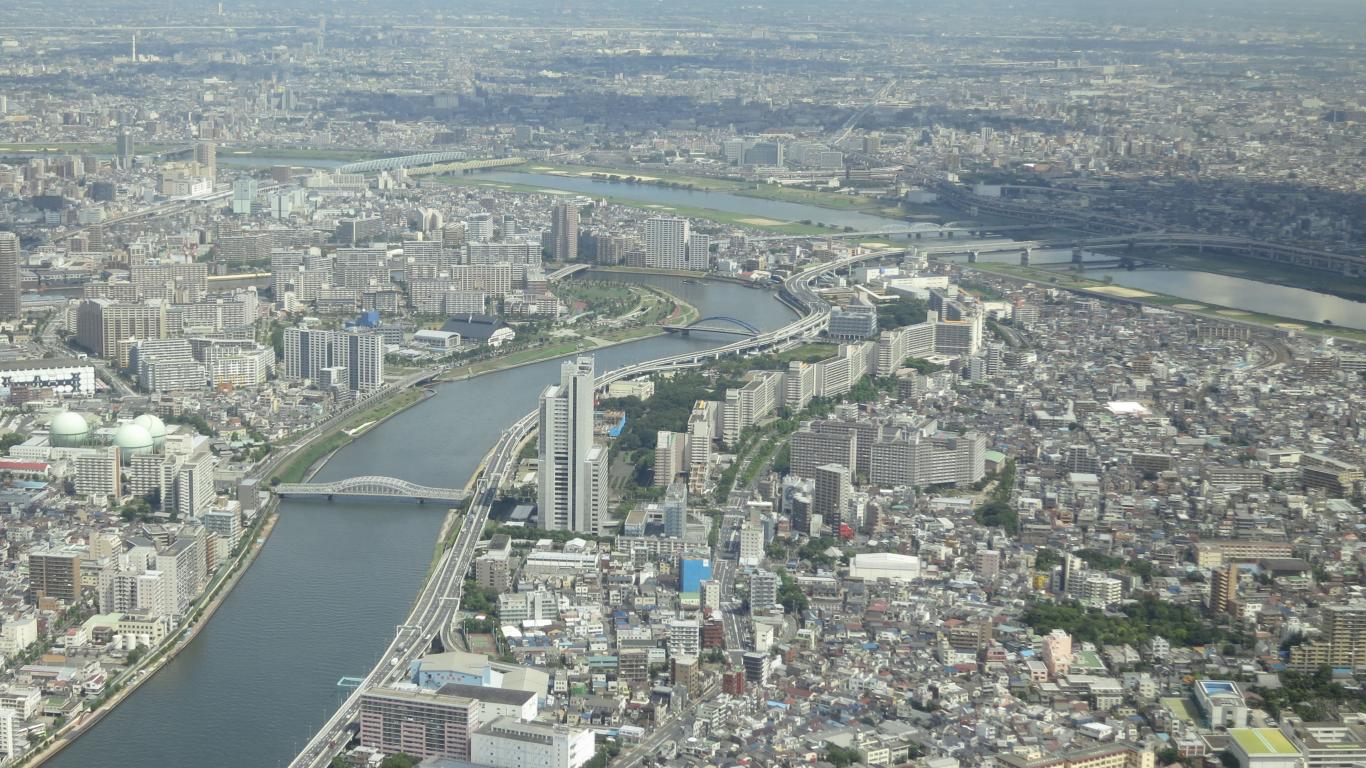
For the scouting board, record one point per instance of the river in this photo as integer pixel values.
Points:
(1209, 287)
(757, 207)
(327, 591)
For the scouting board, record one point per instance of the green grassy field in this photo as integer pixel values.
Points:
(518, 358)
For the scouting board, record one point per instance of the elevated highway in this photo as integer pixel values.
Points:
(438, 604)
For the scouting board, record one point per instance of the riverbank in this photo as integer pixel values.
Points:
(683, 313)
(323, 446)
(763, 191)
(1202, 309)
(1261, 271)
(157, 658)
(715, 214)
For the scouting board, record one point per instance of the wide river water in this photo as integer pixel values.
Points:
(327, 591)
(1223, 290)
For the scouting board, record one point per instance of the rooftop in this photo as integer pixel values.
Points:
(1262, 742)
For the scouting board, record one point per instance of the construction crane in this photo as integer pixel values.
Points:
(852, 122)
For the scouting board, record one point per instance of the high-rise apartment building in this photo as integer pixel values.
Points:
(669, 451)
(243, 195)
(101, 324)
(1340, 643)
(564, 233)
(666, 243)
(567, 490)
(1223, 589)
(206, 155)
(685, 637)
(763, 591)
(676, 510)
(123, 150)
(479, 228)
(831, 497)
(419, 723)
(308, 353)
(10, 280)
(55, 574)
(365, 361)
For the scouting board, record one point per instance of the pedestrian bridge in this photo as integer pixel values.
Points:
(715, 324)
(371, 486)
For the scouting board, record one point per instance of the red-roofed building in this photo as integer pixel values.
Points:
(25, 468)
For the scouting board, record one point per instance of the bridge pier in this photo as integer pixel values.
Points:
(972, 256)
(1024, 257)
(1076, 254)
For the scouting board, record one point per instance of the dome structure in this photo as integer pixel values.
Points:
(155, 427)
(132, 440)
(68, 429)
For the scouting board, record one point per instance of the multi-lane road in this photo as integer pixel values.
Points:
(439, 602)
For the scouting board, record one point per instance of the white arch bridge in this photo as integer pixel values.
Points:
(371, 486)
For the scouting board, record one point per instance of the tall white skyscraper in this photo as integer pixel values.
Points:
(568, 494)
(9, 276)
(666, 243)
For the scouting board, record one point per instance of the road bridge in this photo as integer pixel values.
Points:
(715, 324)
(566, 271)
(371, 486)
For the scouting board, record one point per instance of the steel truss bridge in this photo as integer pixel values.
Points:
(403, 161)
(371, 486)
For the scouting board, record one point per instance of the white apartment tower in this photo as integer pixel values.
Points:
(567, 491)
(666, 243)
